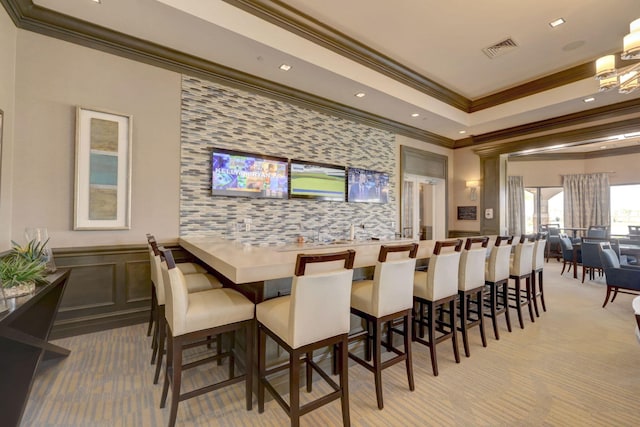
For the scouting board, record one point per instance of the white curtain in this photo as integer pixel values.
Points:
(586, 200)
(515, 205)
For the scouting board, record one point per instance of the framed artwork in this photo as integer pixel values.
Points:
(468, 213)
(103, 171)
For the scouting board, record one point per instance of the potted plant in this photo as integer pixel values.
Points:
(22, 269)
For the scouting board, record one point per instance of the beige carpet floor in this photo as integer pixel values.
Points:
(577, 365)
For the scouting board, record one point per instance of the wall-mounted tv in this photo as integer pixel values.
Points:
(368, 186)
(235, 173)
(312, 180)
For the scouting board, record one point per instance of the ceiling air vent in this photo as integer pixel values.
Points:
(500, 48)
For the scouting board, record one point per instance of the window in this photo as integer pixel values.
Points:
(543, 205)
(625, 208)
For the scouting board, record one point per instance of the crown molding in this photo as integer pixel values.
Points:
(574, 119)
(28, 16)
(574, 136)
(577, 156)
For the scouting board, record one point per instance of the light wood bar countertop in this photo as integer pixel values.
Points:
(243, 263)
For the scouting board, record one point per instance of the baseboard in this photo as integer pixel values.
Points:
(89, 324)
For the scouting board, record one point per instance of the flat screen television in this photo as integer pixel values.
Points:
(311, 180)
(368, 186)
(235, 173)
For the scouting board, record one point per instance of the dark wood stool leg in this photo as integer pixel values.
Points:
(249, 337)
(493, 301)
(344, 381)
(530, 296)
(294, 388)
(518, 305)
(162, 328)
(534, 294)
(176, 380)
(262, 345)
(432, 335)
(463, 322)
(152, 310)
(541, 288)
(309, 371)
(454, 331)
(407, 350)
(505, 299)
(377, 361)
(479, 306)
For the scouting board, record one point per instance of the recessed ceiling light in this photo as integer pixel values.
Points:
(285, 67)
(557, 22)
(591, 99)
(360, 94)
(462, 132)
(415, 115)
(97, 1)
(603, 147)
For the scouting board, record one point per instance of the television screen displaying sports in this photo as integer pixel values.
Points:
(368, 186)
(317, 181)
(234, 173)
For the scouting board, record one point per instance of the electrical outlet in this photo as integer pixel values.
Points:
(393, 225)
(247, 224)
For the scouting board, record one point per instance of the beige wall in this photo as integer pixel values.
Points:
(467, 168)
(53, 77)
(420, 145)
(8, 35)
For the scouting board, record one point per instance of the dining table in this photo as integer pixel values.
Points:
(574, 230)
(247, 266)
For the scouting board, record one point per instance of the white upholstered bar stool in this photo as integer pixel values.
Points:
(521, 269)
(315, 315)
(197, 316)
(537, 282)
(185, 267)
(389, 296)
(195, 282)
(432, 290)
(636, 308)
(471, 285)
(496, 279)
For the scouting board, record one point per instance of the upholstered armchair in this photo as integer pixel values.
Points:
(623, 279)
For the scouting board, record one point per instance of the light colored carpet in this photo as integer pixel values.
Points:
(577, 365)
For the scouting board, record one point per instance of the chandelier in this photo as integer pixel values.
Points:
(626, 79)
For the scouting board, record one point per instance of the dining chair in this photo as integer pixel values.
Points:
(521, 269)
(620, 278)
(197, 316)
(598, 231)
(567, 253)
(552, 248)
(389, 296)
(471, 283)
(315, 315)
(186, 268)
(195, 282)
(497, 281)
(591, 261)
(537, 284)
(433, 290)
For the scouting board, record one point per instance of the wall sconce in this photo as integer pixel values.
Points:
(473, 189)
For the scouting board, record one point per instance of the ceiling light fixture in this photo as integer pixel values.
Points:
(360, 95)
(97, 1)
(626, 79)
(415, 115)
(285, 67)
(557, 22)
(462, 132)
(591, 99)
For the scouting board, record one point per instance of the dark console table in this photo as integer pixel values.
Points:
(24, 335)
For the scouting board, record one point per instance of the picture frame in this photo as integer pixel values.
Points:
(102, 170)
(468, 213)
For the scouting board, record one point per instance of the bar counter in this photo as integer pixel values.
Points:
(243, 263)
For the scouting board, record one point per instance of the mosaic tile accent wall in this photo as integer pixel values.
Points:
(218, 116)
